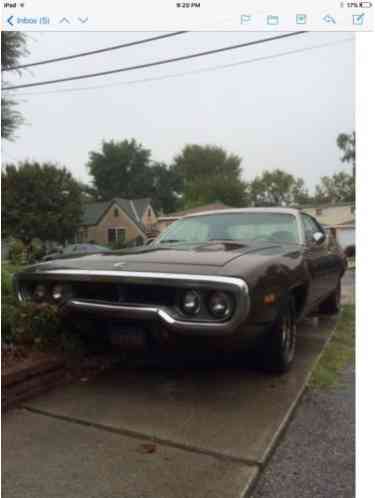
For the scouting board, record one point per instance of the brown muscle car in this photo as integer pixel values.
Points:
(226, 280)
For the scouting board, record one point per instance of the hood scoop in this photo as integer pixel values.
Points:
(219, 246)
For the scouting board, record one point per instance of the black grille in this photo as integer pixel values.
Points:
(125, 293)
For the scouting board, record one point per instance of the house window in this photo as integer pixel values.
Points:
(116, 213)
(318, 211)
(115, 235)
(111, 235)
(121, 235)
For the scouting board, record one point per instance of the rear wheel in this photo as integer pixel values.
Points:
(280, 346)
(331, 305)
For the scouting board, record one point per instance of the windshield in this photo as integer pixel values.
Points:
(273, 227)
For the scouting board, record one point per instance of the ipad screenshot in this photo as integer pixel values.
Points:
(183, 186)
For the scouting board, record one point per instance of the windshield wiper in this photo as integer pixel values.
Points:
(221, 239)
(170, 241)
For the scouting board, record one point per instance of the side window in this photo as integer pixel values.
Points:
(310, 227)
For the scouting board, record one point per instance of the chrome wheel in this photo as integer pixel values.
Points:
(288, 336)
(280, 346)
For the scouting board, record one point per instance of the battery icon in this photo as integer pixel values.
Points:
(356, 5)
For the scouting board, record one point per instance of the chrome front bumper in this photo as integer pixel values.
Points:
(166, 316)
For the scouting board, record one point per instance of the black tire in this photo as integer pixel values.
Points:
(331, 305)
(279, 348)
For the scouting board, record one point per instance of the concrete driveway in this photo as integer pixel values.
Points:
(155, 432)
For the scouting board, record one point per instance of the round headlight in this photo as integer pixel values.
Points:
(191, 303)
(40, 292)
(57, 292)
(220, 305)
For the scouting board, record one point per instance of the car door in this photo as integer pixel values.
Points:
(321, 264)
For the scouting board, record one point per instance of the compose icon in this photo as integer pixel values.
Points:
(358, 19)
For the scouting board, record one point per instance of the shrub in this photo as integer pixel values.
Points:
(17, 252)
(8, 306)
(36, 324)
(39, 326)
(7, 323)
(6, 284)
(35, 251)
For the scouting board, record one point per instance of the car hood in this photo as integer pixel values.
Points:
(205, 258)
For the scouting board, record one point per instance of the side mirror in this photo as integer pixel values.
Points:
(319, 237)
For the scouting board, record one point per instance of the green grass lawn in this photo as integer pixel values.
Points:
(339, 352)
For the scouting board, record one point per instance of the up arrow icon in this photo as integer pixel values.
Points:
(64, 19)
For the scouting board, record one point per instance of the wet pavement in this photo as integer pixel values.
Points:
(155, 432)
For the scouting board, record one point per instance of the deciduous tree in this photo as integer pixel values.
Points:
(210, 174)
(346, 143)
(40, 201)
(277, 188)
(121, 169)
(13, 47)
(338, 188)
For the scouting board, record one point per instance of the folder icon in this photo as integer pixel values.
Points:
(245, 19)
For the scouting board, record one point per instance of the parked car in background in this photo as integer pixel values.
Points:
(223, 280)
(76, 250)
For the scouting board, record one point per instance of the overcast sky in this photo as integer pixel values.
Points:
(285, 112)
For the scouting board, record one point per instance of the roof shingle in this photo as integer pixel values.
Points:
(134, 208)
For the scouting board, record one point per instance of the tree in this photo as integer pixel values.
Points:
(40, 201)
(125, 169)
(210, 174)
(121, 169)
(167, 187)
(338, 188)
(346, 143)
(13, 47)
(277, 188)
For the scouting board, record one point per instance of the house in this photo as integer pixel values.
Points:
(338, 217)
(118, 221)
(164, 221)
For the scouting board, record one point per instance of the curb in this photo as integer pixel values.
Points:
(35, 377)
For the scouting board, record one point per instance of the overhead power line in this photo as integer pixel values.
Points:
(94, 52)
(188, 73)
(155, 63)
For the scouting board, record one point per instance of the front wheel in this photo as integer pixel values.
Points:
(280, 346)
